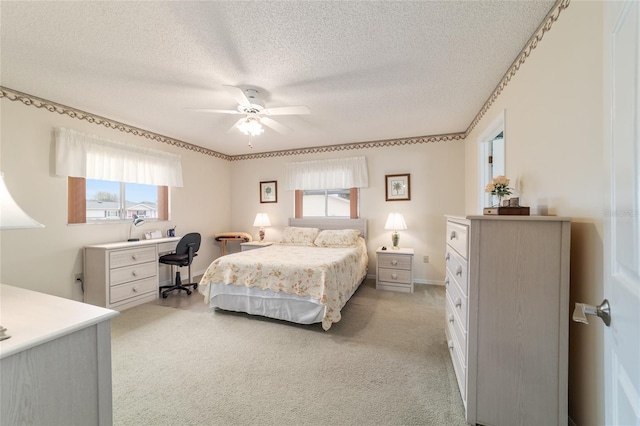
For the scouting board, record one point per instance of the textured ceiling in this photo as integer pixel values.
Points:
(367, 70)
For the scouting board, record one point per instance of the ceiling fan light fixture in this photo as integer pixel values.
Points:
(250, 126)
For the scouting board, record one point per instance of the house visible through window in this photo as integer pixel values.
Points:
(326, 203)
(108, 200)
(93, 200)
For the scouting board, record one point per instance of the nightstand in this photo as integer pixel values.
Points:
(394, 270)
(254, 245)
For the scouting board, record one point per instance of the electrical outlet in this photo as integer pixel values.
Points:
(425, 259)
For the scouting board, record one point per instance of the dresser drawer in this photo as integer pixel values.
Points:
(404, 288)
(167, 247)
(457, 236)
(457, 266)
(458, 298)
(132, 273)
(457, 329)
(458, 366)
(399, 276)
(394, 261)
(126, 291)
(134, 256)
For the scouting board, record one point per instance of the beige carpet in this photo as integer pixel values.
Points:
(385, 363)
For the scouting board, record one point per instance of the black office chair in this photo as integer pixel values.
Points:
(185, 252)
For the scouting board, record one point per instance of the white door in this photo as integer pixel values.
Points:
(622, 218)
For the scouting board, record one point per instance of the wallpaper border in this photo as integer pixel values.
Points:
(545, 26)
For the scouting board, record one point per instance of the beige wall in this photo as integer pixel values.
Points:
(553, 133)
(47, 259)
(437, 176)
(553, 119)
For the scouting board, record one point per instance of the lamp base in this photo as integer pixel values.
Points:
(261, 234)
(395, 239)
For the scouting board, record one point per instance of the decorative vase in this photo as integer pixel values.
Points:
(499, 197)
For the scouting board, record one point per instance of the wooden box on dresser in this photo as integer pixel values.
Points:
(507, 315)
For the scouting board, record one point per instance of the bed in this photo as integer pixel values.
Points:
(305, 278)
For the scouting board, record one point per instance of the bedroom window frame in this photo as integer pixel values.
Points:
(77, 204)
(354, 203)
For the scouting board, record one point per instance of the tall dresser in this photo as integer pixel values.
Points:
(507, 316)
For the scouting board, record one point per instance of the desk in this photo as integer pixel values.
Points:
(56, 367)
(125, 274)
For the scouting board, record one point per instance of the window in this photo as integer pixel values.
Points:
(108, 200)
(93, 200)
(327, 203)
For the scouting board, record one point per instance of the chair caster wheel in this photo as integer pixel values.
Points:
(188, 292)
(164, 295)
(195, 287)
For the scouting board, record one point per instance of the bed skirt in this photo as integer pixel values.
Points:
(266, 303)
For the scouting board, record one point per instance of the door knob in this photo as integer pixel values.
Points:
(603, 311)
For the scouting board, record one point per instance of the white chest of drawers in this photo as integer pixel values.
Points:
(507, 317)
(394, 270)
(122, 275)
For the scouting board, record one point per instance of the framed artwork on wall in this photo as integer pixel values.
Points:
(269, 191)
(398, 187)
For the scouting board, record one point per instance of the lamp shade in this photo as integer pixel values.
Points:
(395, 222)
(11, 215)
(137, 220)
(262, 219)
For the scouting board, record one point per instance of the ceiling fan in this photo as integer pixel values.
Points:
(255, 113)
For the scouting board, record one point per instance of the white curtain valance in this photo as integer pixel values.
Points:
(93, 157)
(339, 173)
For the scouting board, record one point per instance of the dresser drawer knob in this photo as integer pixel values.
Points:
(446, 282)
(394, 262)
(459, 270)
(453, 236)
(451, 319)
(134, 273)
(447, 257)
(135, 289)
(394, 276)
(458, 303)
(450, 344)
(134, 256)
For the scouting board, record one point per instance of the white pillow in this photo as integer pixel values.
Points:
(337, 238)
(299, 236)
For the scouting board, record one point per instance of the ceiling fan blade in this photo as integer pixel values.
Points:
(289, 110)
(275, 125)
(221, 111)
(238, 94)
(234, 127)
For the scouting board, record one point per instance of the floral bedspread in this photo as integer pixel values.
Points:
(326, 274)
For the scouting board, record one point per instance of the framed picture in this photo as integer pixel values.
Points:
(398, 187)
(269, 191)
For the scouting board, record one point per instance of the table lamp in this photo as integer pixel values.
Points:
(395, 222)
(12, 217)
(137, 221)
(262, 220)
